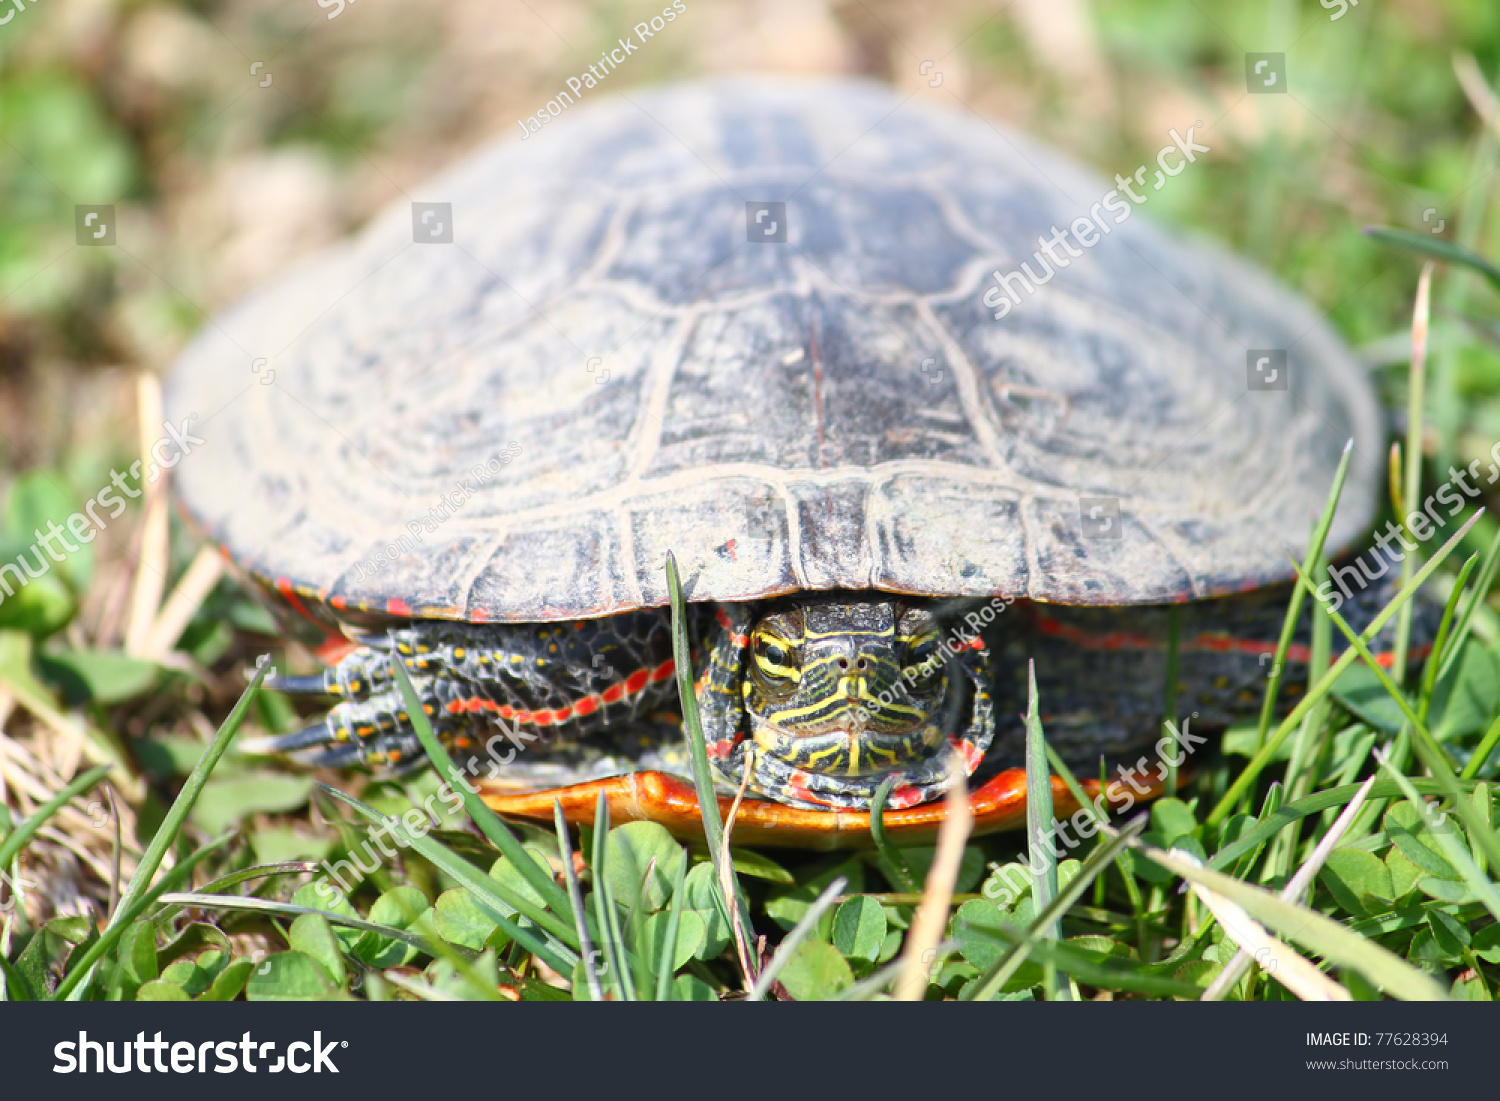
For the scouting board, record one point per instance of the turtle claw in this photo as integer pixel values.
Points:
(318, 734)
(315, 685)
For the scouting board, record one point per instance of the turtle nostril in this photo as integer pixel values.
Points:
(862, 663)
(843, 663)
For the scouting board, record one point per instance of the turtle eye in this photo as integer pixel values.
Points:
(775, 658)
(923, 662)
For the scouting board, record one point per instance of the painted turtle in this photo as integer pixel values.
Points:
(754, 323)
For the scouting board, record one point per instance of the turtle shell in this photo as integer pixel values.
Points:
(610, 360)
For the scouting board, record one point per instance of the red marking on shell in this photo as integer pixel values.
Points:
(336, 602)
(721, 748)
(396, 606)
(613, 693)
(479, 615)
(637, 680)
(586, 706)
(975, 643)
(663, 671)
(1213, 643)
(284, 587)
(1126, 640)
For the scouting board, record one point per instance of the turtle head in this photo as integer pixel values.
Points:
(846, 686)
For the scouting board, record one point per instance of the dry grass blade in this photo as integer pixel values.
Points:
(1332, 940)
(1421, 324)
(1481, 97)
(1295, 888)
(18, 837)
(151, 564)
(187, 596)
(1293, 970)
(727, 884)
(932, 913)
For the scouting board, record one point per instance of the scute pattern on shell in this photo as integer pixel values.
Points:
(766, 415)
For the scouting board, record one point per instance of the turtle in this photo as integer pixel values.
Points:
(772, 327)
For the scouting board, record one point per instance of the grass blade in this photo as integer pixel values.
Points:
(131, 902)
(1169, 697)
(905, 880)
(489, 894)
(1454, 850)
(1295, 889)
(1276, 820)
(167, 832)
(204, 900)
(487, 820)
(1086, 967)
(1041, 857)
(674, 922)
(1299, 597)
(703, 780)
(1477, 597)
(1333, 941)
(1436, 247)
(1292, 969)
(1439, 643)
(1430, 752)
(575, 901)
(11, 847)
(1416, 389)
(606, 915)
(1486, 747)
(75, 983)
(234, 879)
(1267, 752)
(999, 973)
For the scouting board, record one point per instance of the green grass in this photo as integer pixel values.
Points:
(219, 854)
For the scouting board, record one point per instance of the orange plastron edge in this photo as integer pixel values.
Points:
(658, 797)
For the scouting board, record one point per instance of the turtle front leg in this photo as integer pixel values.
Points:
(533, 685)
